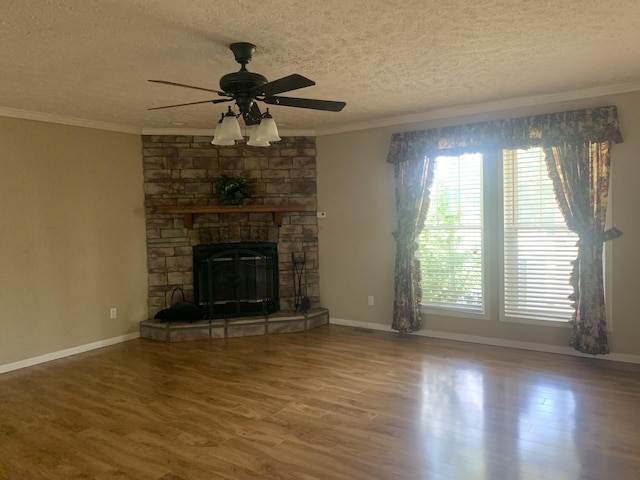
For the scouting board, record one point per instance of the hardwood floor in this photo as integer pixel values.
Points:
(334, 403)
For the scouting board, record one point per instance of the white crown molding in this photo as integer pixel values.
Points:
(8, 367)
(79, 122)
(464, 110)
(59, 119)
(439, 114)
(498, 342)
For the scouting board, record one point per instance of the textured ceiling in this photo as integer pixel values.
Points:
(91, 59)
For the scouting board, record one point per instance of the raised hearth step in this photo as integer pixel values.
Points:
(279, 322)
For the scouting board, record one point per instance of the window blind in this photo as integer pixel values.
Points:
(538, 246)
(450, 246)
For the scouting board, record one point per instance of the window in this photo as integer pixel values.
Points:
(450, 246)
(538, 246)
(528, 263)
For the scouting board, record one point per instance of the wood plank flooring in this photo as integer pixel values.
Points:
(334, 403)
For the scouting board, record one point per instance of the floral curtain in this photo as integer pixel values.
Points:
(574, 127)
(580, 175)
(413, 180)
(555, 130)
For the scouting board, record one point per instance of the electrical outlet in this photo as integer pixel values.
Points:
(321, 214)
(370, 300)
(113, 313)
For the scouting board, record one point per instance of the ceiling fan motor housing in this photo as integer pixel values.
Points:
(242, 86)
(241, 82)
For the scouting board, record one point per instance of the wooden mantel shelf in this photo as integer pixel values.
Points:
(275, 210)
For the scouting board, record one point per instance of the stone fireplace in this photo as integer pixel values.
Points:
(181, 172)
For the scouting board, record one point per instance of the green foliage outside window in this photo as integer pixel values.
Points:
(450, 256)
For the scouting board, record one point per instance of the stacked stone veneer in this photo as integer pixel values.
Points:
(183, 170)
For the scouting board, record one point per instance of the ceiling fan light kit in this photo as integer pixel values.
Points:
(221, 142)
(253, 141)
(246, 89)
(230, 128)
(267, 130)
(217, 138)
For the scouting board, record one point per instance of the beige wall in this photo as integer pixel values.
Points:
(357, 251)
(73, 237)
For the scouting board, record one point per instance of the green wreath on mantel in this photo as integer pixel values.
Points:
(232, 190)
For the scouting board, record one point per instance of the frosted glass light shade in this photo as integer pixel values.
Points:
(253, 142)
(230, 128)
(267, 130)
(217, 140)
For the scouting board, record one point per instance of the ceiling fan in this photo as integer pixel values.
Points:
(245, 88)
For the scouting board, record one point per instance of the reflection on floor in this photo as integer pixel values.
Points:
(334, 403)
(490, 423)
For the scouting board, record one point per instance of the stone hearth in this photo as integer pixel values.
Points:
(280, 322)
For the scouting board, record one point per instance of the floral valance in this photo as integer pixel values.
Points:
(574, 127)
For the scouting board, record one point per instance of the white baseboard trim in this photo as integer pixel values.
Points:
(498, 342)
(8, 367)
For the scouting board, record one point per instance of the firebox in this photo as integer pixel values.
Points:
(236, 279)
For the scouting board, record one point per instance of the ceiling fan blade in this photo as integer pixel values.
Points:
(218, 100)
(328, 105)
(253, 116)
(174, 84)
(284, 84)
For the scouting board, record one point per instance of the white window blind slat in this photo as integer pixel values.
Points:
(538, 246)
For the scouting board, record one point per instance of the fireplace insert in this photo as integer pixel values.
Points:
(236, 279)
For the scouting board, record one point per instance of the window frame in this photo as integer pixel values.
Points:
(461, 312)
(493, 251)
(502, 316)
